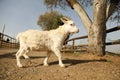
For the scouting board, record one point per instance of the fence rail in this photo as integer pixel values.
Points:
(7, 41)
(79, 47)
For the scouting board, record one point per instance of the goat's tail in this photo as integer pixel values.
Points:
(18, 37)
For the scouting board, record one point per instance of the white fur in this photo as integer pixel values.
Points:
(52, 40)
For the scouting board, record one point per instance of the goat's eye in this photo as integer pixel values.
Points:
(72, 24)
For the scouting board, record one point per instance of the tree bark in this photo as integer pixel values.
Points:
(97, 29)
(97, 32)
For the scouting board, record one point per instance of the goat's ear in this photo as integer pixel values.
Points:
(64, 19)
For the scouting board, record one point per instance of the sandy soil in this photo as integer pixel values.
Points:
(79, 66)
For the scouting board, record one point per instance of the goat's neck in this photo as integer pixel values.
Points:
(62, 33)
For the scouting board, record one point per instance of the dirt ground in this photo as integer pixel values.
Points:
(79, 66)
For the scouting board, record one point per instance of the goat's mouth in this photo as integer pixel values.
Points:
(77, 31)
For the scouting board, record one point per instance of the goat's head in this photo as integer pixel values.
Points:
(69, 25)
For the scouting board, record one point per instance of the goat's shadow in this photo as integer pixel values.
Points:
(72, 62)
(12, 56)
(8, 55)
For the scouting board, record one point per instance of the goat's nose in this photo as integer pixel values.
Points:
(77, 30)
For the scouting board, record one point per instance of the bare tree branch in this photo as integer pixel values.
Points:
(111, 8)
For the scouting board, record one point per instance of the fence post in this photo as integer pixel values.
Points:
(73, 43)
(1, 39)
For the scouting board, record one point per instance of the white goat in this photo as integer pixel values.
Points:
(52, 40)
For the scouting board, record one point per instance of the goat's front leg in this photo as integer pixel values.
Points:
(18, 55)
(57, 53)
(46, 59)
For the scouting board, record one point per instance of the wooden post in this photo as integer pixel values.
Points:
(73, 44)
(1, 39)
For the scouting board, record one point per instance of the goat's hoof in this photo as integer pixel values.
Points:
(46, 65)
(27, 57)
(19, 65)
(63, 66)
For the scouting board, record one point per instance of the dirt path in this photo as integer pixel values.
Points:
(78, 67)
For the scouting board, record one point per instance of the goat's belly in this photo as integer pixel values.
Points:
(38, 47)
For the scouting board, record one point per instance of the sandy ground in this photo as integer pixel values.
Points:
(79, 66)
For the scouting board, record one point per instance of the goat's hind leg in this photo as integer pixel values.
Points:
(46, 59)
(18, 55)
(25, 54)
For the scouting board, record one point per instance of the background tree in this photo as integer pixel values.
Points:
(50, 20)
(96, 28)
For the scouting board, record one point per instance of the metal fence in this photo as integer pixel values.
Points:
(7, 41)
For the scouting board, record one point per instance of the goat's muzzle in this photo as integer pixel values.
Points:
(77, 31)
